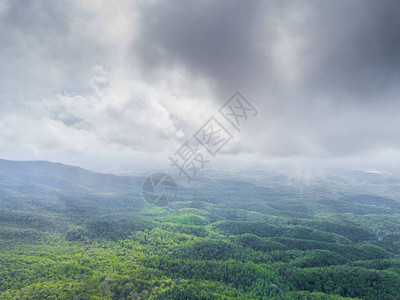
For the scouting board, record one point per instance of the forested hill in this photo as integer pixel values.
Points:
(68, 233)
(46, 177)
(41, 186)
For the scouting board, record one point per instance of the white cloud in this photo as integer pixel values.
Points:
(112, 109)
(118, 114)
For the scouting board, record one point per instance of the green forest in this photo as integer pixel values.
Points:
(220, 239)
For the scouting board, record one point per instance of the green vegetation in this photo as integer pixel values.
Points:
(67, 248)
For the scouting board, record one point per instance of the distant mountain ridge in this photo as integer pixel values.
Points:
(61, 177)
(43, 185)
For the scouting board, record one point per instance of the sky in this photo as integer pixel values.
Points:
(104, 83)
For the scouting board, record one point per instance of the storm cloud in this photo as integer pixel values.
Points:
(143, 76)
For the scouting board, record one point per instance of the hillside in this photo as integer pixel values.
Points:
(40, 186)
(68, 233)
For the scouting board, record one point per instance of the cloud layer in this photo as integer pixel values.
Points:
(95, 77)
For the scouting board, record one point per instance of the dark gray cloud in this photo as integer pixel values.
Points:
(326, 74)
(346, 49)
(216, 39)
(353, 49)
(41, 52)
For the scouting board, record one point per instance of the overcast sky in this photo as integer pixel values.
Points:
(100, 80)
